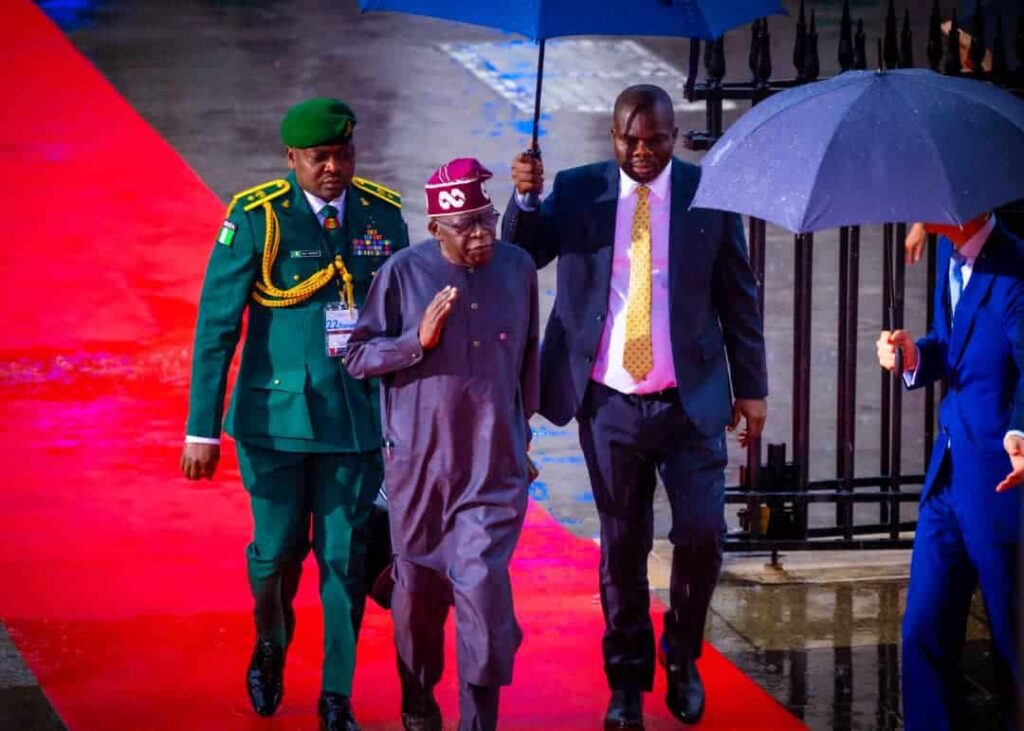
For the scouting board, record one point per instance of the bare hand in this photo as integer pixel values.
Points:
(1014, 446)
(913, 244)
(528, 174)
(433, 319)
(888, 342)
(966, 64)
(199, 460)
(755, 411)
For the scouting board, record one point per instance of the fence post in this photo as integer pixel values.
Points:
(935, 45)
(803, 259)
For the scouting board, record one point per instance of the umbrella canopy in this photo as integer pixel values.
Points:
(870, 147)
(540, 19)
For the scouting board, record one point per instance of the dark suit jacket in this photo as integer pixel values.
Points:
(982, 359)
(712, 293)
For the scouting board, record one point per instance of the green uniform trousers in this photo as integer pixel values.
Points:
(302, 500)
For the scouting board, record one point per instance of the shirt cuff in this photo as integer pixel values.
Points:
(409, 345)
(189, 439)
(910, 377)
(522, 201)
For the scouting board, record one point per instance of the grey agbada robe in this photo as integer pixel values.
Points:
(455, 423)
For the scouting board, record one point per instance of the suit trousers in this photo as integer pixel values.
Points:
(301, 500)
(627, 440)
(949, 561)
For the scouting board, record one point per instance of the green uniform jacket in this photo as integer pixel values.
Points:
(289, 395)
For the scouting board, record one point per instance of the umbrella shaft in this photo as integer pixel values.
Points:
(536, 97)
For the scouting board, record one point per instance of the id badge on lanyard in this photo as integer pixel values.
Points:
(339, 322)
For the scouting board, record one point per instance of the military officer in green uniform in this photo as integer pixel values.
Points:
(300, 254)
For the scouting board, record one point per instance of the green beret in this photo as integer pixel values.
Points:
(318, 121)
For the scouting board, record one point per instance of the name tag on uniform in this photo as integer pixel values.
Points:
(313, 254)
(339, 322)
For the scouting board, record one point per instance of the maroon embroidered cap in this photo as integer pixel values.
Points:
(458, 187)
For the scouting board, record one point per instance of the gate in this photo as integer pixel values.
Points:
(775, 494)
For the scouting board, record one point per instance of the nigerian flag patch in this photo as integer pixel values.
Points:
(227, 233)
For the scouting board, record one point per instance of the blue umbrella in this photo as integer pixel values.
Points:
(542, 19)
(870, 147)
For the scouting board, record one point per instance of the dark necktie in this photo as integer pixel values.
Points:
(331, 223)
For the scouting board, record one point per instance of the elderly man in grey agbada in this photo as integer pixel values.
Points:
(450, 325)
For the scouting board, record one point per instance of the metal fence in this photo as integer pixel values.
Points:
(775, 495)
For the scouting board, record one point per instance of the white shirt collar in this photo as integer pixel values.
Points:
(317, 204)
(972, 248)
(659, 186)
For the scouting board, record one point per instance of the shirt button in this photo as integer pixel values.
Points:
(277, 381)
(473, 305)
(296, 277)
(471, 270)
(476, 343)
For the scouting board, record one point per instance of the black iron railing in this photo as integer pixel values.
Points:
(776, 494)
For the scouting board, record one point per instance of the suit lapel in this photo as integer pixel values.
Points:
(605, 207)
(943, 325)
(682, 196)
(973, 296)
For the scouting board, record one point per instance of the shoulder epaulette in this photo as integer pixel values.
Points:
(375, 189)
(259, 194)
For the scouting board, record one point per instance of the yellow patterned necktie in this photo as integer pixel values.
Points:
(638, 354)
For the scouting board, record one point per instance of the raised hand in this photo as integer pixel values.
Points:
(913, 244)
(528, 174)
(435, 315)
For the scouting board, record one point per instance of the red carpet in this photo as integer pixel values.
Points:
(123, 584)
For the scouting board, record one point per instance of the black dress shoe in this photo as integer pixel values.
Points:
(265, 677)
(335, 711)
(420, 711)
(685, 696)
(430, 721)
(625, 710)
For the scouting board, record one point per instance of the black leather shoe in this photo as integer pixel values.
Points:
(265, 677)
(335, 711)
(625, 710)
(430, 721)
(420, 711)
(685, 696)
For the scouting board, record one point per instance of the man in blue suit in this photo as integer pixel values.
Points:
(655, 346)
(968, 529)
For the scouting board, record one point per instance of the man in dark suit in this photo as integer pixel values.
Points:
(655, 347)
(968, 529)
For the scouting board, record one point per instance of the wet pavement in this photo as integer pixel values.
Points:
(214, 78)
